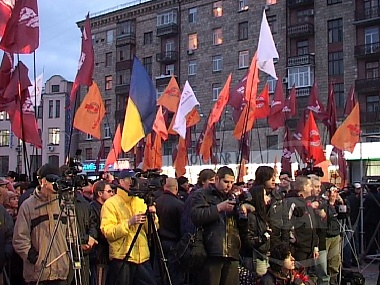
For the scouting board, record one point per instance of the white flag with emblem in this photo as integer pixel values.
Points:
(35, 90)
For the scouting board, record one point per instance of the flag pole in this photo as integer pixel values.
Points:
(71, 128)
(361, 208)
(259, 141)
(35, 150)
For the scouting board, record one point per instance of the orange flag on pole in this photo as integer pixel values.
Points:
(312, 140)
(91, 112)
(170, 98)
(116, 148)
(180, 161)
(242, 171)
(246, 121)
(348, 133)
(159, 125)
(206, 146)
(221, 103)
(262, 103)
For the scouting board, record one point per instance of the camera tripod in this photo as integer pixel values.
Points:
(67, 210)
(152, 233)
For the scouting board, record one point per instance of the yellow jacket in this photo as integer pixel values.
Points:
(115, 215)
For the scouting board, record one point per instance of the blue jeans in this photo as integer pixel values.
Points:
(130, 273)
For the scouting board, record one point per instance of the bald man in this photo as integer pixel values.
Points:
(169, 210)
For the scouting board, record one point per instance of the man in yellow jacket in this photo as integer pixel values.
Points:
(121, 216)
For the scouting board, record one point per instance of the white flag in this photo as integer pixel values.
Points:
(186, 103)
(36, 97)
(266, 50)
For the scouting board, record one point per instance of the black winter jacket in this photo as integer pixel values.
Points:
(100, 252)
(87, 222)
(220, 230)
(6, 233)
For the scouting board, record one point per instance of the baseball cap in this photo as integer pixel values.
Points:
(48, 169)
(357, 185)
(126, 173)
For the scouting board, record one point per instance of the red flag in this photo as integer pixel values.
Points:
(5, 77)
(315, 105)
(350, 101)
(276, 118)
(312, 140)
(19, 76)
(21, 34)
(331, 121)
(5, 13)
(221, 103)
(262, 103)
(159, 125)
(287, 151)
(290, 109)
(237, 93)
(116, 148)
(297, 138)
(86, 62)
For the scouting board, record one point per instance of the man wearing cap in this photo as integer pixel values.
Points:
(34, 230)
(121, 216)
(3, 189)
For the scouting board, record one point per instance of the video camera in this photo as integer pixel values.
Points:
(310, 169)
(146, 182)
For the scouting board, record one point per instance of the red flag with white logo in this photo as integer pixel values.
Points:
(312, 140)
(290, 104)
(276, 117)
(315, 105)
(6, 7)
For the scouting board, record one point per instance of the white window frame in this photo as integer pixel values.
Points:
(217, 63)
(88, 137)
(217, 9)
(301, 76)
(4, 138)
(54, 136)
(243, 5)
(243, 59)
(271, 84)
(192, 68)
(169, 46)
(193, 13)
(167, 18)
(107, 131)
(216, 88)
(109, 36)
(217, 36)
(169, 69)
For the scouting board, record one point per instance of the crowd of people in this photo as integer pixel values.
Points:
(102, 232)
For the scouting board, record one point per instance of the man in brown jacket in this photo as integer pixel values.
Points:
(34, 230)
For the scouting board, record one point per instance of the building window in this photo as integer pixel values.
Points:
(169, 46)
(108, 82)
(217, 9)
(300, 76)
(4, 137)
(217, 36)
(375, 132)
(335, 30)
(124, 53)
(55, 88)
(302, 47)
(216, 88)
(243, 31)
(270, 2)
(272, 22)
(243, 5)
(372, 103)
(57, 108)
(271, 84)
(54, 135)
(167, 18)
(193, 41)
(272, 142)
(192, 70)
(169, 69)
(372, 69)
(4, 116)
(123, 77)
(243, 59)
(217, 63)
(107, 131)
(331, 2)
(339, 94)
(193, 12)
(107, 104)
(336, 63)
(148, 38)
(110, 37)
(108, 59)
(125, 28)
(147, 63)
(51, 108)
(4, 165)
(88, 153)
(39, 112)
(305, 16)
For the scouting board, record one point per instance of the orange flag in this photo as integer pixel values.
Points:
(242, 171)
(159, 125)
(116, 148)
(252, 81)
(208, 139)
(170, 98)
(221, 103)
(192, 119)
(312, 140)
(348, 133)
(246, 121)
(91, 112)
(148, 153)
(152, 152)
(262, 103)
(180, 161)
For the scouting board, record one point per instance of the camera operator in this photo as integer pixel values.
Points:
(33, 232)
(121, 216)
(214, 212)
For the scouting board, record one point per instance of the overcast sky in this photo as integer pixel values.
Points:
(60, 38)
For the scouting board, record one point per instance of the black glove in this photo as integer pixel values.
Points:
(32, 255)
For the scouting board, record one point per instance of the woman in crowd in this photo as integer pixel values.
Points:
(11, 204)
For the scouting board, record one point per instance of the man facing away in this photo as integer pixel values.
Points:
(34, 231)
(214, 212)
(121, 216)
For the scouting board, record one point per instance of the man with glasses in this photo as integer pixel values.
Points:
(285, 181)
(99, 257)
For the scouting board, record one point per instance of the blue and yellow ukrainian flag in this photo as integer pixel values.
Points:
(141, 107)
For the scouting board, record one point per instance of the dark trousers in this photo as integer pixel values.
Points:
(176, 273)
(84, 272)
(220, 271)
(50, 282)
(130, 273)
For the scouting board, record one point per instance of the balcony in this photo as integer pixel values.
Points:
(167, 57)
(302, 30)
(126, 39)
(306, 59)
(122, 89)
(372, 49)
(124, 64)
(368, 15)
(303, 91)
(367, 85)
(370, 117)
(167, 30)
(299, 3)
